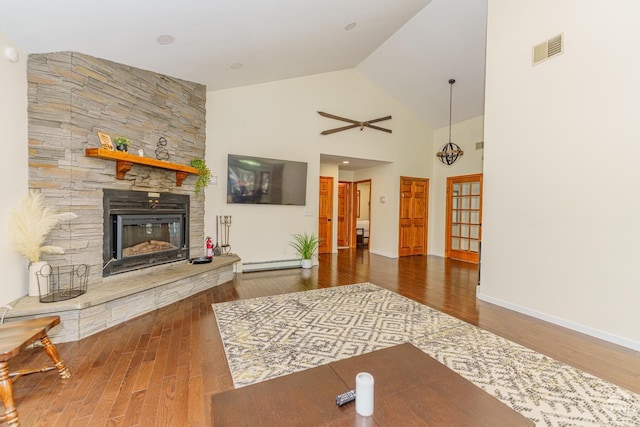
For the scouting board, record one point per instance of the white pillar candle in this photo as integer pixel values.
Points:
(364, 394)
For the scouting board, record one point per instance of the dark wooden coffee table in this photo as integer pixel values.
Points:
(411, 388)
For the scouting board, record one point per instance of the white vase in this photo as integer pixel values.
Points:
(307, 263)
(35, 267)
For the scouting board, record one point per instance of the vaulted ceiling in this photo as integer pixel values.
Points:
(410, 48)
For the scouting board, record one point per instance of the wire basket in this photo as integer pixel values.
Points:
(62, 283)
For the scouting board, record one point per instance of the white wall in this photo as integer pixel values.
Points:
(280, 120)
(13, 167)
(466, 134)
(561, 168)
(383, 224)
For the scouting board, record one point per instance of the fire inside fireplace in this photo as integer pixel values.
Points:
(144, 229)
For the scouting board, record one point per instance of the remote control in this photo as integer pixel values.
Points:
(346, 397)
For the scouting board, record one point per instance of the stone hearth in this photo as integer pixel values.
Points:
(123, 297)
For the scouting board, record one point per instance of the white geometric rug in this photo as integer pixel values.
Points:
(268, 337)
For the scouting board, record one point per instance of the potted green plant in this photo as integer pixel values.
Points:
(204, 176)
(305, 246)
(122, 143)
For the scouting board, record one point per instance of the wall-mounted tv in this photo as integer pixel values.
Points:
(258, 180)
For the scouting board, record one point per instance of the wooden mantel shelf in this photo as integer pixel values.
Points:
(124, 162)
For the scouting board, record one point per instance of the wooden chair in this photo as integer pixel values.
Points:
(15, 337)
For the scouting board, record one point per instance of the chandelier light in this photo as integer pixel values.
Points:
(450, 152)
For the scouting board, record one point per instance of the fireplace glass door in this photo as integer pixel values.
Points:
(147, 234)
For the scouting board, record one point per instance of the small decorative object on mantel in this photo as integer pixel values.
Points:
(30, 225)
(204, 178)
(161, 151)
(354, 124)
(122, 143)
(450, 152)
(105, 141)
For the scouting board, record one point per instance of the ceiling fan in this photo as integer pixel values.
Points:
(354, 123)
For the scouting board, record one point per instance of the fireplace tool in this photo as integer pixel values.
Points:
(225, 225)
(217, 250)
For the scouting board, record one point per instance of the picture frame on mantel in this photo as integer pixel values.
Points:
(105, 141)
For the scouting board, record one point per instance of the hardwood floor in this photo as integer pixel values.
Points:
(160, 369)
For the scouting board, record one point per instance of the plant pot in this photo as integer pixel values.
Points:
(307, 263)
(35, 267)
(122, 147)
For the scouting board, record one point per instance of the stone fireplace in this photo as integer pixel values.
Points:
(132, 222)
(72, 97)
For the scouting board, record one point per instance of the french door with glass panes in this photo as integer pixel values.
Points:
(464, 217)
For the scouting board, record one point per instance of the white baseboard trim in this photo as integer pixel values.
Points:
(625, 342)
(384, 254)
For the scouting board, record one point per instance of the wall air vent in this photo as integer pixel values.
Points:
(548, 49)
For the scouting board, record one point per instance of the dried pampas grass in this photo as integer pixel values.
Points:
(30, 225)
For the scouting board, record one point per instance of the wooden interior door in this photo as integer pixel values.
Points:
(325, 228)
(414, 199)
(344, 189)
(464, 217)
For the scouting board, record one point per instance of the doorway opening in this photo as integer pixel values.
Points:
(362, 214)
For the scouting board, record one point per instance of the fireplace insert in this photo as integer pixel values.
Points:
(143, 229)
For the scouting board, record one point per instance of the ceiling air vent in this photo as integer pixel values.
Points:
(548, 49)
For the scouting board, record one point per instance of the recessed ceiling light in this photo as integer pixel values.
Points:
(345, 162)
(350, 26)
(236, 65)
(165, 39)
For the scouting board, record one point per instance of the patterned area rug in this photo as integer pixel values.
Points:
(272, 336)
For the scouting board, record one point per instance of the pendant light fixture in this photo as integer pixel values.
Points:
(450, 152)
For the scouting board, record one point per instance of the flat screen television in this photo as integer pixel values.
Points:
(258, 180)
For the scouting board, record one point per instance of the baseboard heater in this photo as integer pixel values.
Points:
(270, 265)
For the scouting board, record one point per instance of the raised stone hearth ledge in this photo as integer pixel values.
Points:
(124, 296)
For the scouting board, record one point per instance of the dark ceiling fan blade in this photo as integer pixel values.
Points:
(355, 124)
(330, 131)
(376, 127)
(331, 116)
(378, 120)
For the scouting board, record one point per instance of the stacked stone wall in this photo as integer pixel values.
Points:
(72, 97)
